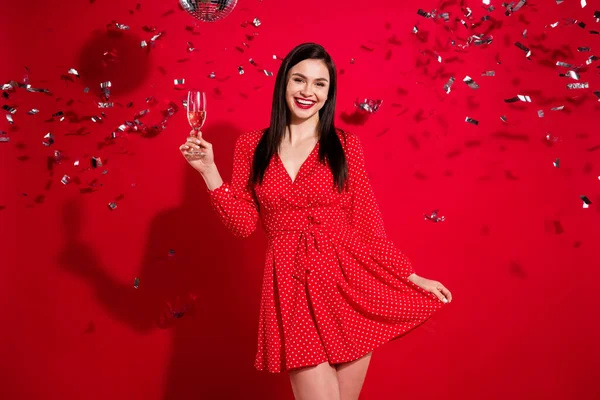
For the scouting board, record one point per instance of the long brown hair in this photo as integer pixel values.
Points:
(330, 147)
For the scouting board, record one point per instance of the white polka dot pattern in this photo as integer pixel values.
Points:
(334, 287)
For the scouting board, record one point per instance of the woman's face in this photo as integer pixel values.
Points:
(307, 88)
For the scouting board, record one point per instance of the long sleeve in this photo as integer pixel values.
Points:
(234, 201)
(363, 209)
(364, 213)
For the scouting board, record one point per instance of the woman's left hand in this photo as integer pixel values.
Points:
(435, 287)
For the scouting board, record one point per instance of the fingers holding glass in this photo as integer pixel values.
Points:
(191, 151)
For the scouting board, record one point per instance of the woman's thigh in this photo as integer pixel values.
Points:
(319, 382)
(351, 376)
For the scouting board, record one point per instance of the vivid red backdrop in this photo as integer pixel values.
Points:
(517, 249)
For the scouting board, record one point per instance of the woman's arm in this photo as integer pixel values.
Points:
(234, 201)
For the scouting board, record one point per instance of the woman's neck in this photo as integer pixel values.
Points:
(300, 130)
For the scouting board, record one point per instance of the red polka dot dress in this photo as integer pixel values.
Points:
(334, 287)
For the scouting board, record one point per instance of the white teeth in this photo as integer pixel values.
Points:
(305, 103)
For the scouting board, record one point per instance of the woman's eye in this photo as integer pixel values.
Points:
(297, 80)
(321, 84)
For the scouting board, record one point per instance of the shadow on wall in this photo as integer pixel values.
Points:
(195, 292)
(115, 56)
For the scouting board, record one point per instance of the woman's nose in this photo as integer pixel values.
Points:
(306, 91)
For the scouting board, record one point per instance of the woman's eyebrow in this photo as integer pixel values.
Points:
(318, 79)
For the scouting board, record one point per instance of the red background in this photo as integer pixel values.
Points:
(517, 249)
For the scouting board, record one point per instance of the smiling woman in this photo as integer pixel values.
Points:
(307, 87)
(334, 287)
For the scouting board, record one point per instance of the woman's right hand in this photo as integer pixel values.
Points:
(198, 152)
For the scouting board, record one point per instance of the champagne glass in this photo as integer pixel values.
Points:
(196, 109)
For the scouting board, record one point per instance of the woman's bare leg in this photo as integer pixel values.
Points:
(351, 376)
(318, 382)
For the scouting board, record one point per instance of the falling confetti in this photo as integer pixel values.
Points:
(586, 201)
(368, 105)
(434, 217)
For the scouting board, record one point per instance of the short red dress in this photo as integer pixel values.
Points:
(334, 287)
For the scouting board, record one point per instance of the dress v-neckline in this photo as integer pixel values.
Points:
(293, 181)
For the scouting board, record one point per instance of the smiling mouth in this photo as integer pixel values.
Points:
(304, 104)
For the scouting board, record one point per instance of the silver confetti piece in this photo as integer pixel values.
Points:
(434, 217)
(122, 27)
(37, 90)
(143, 44)
(597, 93)
(489, 73)
(479, 40)
(86, 90)
(251, 61)
(578, 85)
(504, 118)
(551, 138)
(573, 75)
(179, 84)
(112, 206)
(268, 73)
(586, 201)
(73, 71)
(10, 109)
(106, 105)
(212, 75)
(449, 84)
(96, 162)
(471, 121)
(256, 22)
(9, 118)
(583, 49)
(368, 105)
(136, 282)
(190, 47)
(524, 48)
(241, 70)
(556, 163)
(563, 64)
(65, 179)
(158, 35)
(540, 113)
(470, 82)
(558, 108)
(423, 13)
(48, 139)
(33, 111)
(104, 85)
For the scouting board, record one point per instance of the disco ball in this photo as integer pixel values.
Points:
(208, 10)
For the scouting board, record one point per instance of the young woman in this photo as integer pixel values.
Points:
(334, 287)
